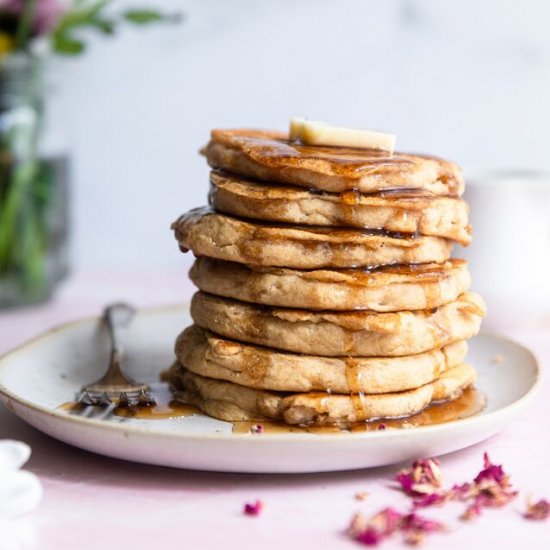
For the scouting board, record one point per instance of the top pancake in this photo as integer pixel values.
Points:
(270, 156)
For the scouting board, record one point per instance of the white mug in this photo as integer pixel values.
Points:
(509, 256)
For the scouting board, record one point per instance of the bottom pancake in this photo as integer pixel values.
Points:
(232, 402)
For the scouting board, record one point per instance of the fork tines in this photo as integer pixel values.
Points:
(125, 399)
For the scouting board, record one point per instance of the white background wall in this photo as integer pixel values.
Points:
(465, 79)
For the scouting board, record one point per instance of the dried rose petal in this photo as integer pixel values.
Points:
(416, 528)
(369, 537)
(382, 426)
(428, 471)
(461, 492)
(406, 481)
(416, 522)
(257, 429)
(492, 495)
(491, 488)
(424, 478)
(431, 499)
(473, 511)
(539, 510)
(491, 472)
(371, 531)
(388, 519)
(254, 508)
(414, 538)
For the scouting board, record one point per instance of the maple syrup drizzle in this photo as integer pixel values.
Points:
(212, 275)
(275, 153)
(470, 403)
(353, 377)
(270, 204)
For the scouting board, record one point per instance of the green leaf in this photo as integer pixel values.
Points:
(145, 17)
(105, 26)
(84, 15)
(63, 38)
(66, 45)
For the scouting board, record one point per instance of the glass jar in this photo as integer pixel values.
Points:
(33, 189)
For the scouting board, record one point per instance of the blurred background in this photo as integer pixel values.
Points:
(467, 80)
(125, 114)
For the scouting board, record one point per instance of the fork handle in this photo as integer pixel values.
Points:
(117, 316)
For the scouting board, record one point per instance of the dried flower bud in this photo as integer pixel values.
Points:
(372, 531)
(254, 508)
(423, 478)
(538, 510)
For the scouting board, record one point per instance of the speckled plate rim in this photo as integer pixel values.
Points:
(8, 397)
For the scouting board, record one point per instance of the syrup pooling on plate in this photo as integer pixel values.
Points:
(174, 409)
(165, 408)
(470, 403)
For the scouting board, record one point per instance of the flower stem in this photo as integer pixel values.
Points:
(25, 24)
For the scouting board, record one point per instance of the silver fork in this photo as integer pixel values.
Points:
(114, 388)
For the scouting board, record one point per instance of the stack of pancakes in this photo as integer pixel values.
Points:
(327, 292)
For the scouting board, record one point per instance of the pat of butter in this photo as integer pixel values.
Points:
(312, 132)
(295, 130)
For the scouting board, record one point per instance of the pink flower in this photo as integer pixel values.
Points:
(46, 15)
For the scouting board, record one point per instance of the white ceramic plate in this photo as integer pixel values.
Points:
(41, 375)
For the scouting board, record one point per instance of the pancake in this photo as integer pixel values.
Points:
(215, 235)
(347, 333)
(391, 288)
(269, 156)
(404, 211)
(233, 402)
(212, 356)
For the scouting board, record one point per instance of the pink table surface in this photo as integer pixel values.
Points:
(95, 502)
